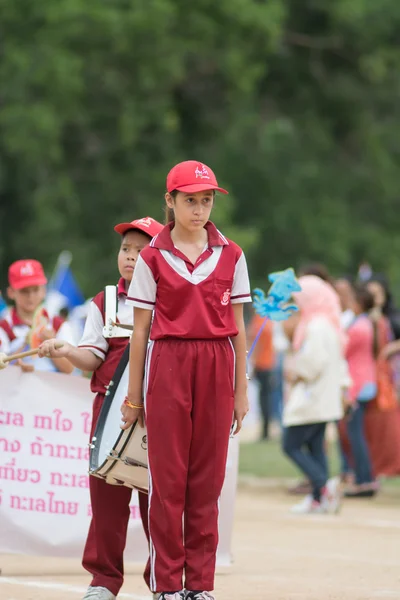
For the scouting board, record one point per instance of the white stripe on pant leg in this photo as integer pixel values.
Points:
(234, 361)
(233, 379)
(149, 353)
(153, 582)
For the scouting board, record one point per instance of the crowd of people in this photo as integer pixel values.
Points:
(340, 365)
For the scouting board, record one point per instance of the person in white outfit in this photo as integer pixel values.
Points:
(316, 375)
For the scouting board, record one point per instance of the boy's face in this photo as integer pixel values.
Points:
(28, 299)
(132, 244)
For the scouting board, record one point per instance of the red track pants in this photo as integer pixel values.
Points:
(105, 544)
(189, 409)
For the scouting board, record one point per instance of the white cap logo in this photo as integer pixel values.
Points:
(202, 172)
(27, 270)
(146, 221)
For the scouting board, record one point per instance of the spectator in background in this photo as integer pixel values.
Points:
(387, 322)
(18, 329)
(363, 389)
(379, 287)
(315, 375)
(345, 292)
(281, 345)
(364, 271)
(321, 271)
(382, 413)
(263, 361)
(382, 419)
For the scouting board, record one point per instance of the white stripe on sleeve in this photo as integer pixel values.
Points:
(241, 284)
(143, 288)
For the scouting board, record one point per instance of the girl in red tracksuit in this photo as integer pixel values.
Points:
(195, 280)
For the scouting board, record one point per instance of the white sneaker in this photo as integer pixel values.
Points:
(332, 499)
(98, 593)
(308, 506)
(199, 596)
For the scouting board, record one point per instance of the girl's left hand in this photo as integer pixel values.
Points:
(241, 410)
(131, 415)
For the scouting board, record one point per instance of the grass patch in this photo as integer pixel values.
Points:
(267, 460)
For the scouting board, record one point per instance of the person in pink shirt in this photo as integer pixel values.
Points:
(362, 368)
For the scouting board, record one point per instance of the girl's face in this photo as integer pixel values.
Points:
(192, 211)
(378, 293)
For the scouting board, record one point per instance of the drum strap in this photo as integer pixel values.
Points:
(111, 329)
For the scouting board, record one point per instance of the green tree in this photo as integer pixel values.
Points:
(293, 104)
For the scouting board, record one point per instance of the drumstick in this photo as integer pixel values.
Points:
(4, 358)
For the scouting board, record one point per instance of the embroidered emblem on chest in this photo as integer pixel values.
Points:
(225, 297)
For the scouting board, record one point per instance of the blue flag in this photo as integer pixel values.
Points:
(63, 282)
(3, 305)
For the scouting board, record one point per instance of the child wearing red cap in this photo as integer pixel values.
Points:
(27, 289)
(103, 554)
(196, 281)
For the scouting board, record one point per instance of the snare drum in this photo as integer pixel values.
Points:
(119, 456)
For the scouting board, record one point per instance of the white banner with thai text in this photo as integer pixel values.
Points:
(45, 509)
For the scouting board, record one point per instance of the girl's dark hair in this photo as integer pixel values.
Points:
(169, 212)
(363, 297)
(389, 309)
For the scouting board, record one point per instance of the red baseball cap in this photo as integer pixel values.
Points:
(147, 225)
(24, 273)
(192, 176)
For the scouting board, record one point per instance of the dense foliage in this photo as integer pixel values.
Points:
(294, 104)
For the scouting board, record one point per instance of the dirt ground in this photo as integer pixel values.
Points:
(277, 556)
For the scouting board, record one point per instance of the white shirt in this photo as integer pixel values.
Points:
(320, 364)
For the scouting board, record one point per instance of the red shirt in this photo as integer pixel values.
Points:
(190, 301)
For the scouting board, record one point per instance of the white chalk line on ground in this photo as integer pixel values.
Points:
(52, 585)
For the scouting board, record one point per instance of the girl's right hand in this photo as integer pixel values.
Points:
(53, 349)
